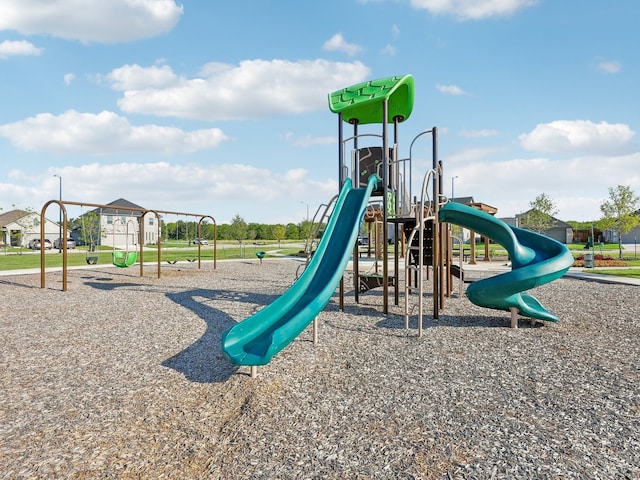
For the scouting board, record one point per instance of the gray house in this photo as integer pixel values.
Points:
(630, 237)
(561, 231)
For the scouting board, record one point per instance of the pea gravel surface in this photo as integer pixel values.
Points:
(123, 377)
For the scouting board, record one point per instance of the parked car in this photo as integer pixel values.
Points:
(36, 244)
(58, 244)
(201, 241)
(363, 239)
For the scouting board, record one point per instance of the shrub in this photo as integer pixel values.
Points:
(599, 260)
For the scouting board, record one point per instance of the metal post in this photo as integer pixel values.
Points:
(436, 225)
(398, 194)
(141, 219)
(385, 206)
(60, 216)
(355, 176)
(442, 232)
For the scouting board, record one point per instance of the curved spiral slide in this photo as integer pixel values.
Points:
(535, 259)
(257, 339)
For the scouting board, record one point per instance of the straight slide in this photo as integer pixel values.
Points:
(257, 339)
(535, 260)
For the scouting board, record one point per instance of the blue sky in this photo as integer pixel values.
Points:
(220, 108)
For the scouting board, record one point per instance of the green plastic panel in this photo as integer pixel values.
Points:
(362, 103)
(124, 259)
(256, 340)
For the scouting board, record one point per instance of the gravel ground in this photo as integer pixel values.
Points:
(123, 377)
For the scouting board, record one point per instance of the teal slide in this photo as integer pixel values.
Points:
(535, 260)
(257, 339)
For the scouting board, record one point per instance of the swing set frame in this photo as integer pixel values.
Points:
(142, 212)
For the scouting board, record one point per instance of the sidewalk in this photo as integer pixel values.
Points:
(574, 272)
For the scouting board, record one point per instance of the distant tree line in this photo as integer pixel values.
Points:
(88, 227)
(238, 230)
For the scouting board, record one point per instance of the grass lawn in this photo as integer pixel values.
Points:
(618, 272)
(17, 260)
(181, 251)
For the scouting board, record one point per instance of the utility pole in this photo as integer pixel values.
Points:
(452, 193)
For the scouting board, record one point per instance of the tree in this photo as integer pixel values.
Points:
(238, 228)
(540, 217)
(223, 232)
(292, 231)
(207, 230)
(279, 232)
(304, 229)
(89, 226)
(619, 213)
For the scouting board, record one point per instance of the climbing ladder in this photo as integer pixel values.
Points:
(425, 241)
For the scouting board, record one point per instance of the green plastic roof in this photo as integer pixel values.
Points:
(363, 102)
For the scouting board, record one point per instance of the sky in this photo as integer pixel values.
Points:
(220, 108)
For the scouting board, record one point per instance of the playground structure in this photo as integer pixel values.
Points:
(128, 257)
(420, 234)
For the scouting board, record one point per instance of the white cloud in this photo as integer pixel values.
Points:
(473, 9)
(9, 48)
(69, 78)
(104, 133)
(608, 66)
(135, 77)
(389, 50)
(338, 43)
(472, 155)
(577, 185)
(450, 90)
(308, 140)
(104, 21)
(219, 190)
(479, 133)
(578, 136)
(252, 89)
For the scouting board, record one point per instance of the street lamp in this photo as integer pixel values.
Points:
(307, 210)
(60, 217)
(452, 180)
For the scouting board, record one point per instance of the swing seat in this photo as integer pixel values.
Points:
(92, 260)
(124, 259)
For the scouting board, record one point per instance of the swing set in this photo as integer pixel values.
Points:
(174, 259)
(134, 235)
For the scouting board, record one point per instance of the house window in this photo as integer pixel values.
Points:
(150, 220)
(35, 222)
(109, 220)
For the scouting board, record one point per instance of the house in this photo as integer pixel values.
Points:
(630, 237)
(561, 231)
(19, 227)
(470, 202)
(120, 227)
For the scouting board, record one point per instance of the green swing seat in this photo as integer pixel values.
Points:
(124, 259)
